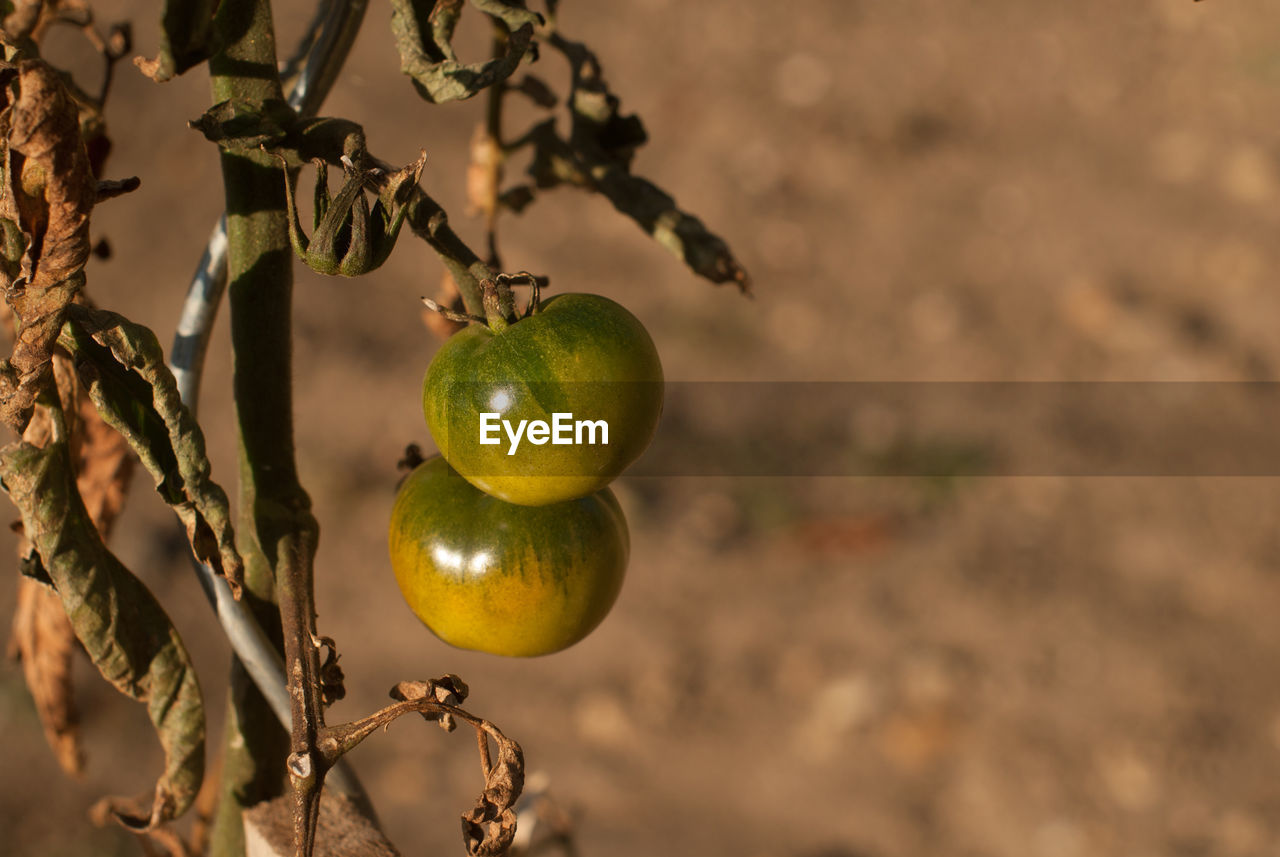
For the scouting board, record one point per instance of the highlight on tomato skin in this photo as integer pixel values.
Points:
(583, 358)
(495, 577)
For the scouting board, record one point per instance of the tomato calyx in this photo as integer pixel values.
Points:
(499, 305)
(500, 302)
(348, 238)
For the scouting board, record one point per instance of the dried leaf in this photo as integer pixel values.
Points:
(42, 636)
(43, 640)
(489, 828)
(513, 15)
(104, 469)
(46, 195)
(111, 188)
(483, 173)
(188, 39)
(332, 687)
(556, 162)
(597, 156)
(536, 90)
(424, 33)
(123, 367)
(122, 627)
(447, 690)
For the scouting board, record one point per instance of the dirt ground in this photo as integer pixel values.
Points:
(805, 667)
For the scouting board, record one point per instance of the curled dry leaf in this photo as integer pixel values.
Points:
(43, 640)
(448, 690)
(46, 194)
(424, 36)
(104, 467)
(332, 687)
(122, 365)
(123, 628)
(489, 828)
(21, 20)
(596, 155)
(42, 636)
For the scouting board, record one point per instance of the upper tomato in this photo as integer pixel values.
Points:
(551, 408)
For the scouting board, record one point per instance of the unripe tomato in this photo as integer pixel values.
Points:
(509, 580)
(583, 357)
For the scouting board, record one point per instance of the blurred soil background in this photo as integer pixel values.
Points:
(801, 667)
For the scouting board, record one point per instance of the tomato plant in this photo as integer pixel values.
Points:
(85, 391)
(509, 580)
(582, 357)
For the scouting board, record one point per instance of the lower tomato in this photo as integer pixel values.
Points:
(494, 577)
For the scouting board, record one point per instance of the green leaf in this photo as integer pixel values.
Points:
(514, 15)
(424, 32)
(187, 39)
(123, 628)
(243, 125)
(123, 367)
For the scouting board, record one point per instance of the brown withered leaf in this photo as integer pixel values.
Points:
(123, 628)
(448, 690)
(596, 155)
(122, 365)
(489, 828)
(484, 171)
(424, 37)
(104, 469)
(42, 636)
(46, 195)
(21, 21)
(33, 18)
(43, 640)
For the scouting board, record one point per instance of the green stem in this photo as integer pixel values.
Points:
(429, 222)
(273, 508)
(493, 129)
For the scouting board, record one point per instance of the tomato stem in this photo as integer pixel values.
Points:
(276, 531)
(499, 304)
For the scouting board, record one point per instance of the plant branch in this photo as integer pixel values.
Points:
(277, 528)
(429, 222)
(317, 64)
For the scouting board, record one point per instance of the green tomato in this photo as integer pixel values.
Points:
(572, 395)
(509, 580)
